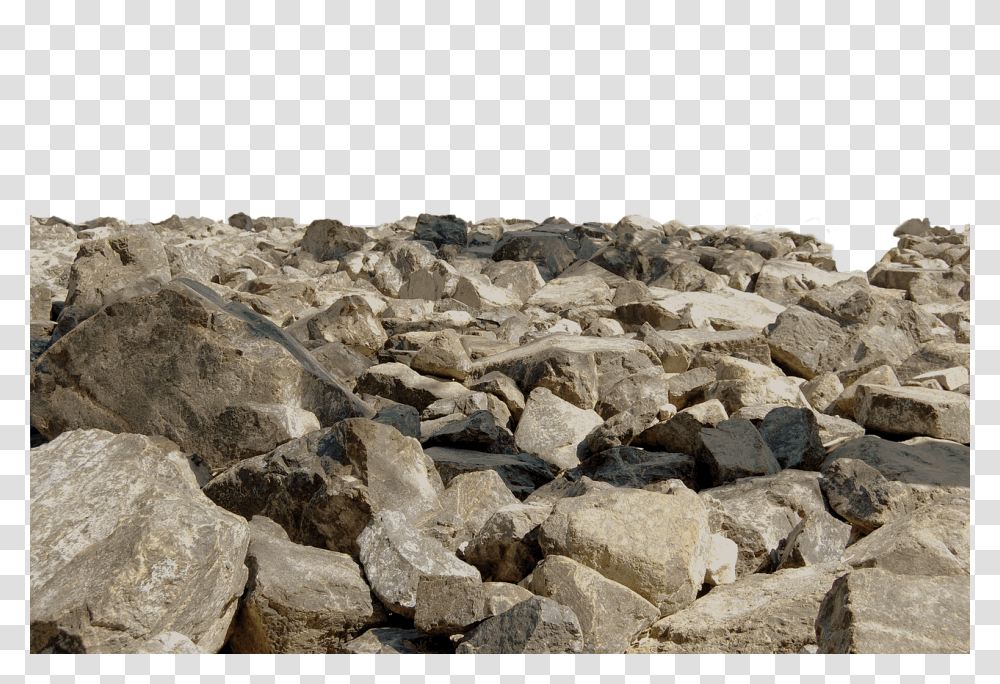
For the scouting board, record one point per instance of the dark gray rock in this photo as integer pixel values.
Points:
(442, 230)
(731, 450)
(522, 472)
(478, 432)
(329, 239)
(622, 428)
(404, 418)
(930, 462)
(538, 625)
(859, 494)
(241, 221)
(818, 538)
(792, 434)
(625, 466)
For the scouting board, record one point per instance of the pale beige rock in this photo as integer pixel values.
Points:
(883, 375)
(949, 378)
(654, 544)
(822, 390)
(553, 429)
(485, 297)
(569, 292)
(351, 321)
(444, 356)
(909, 411)
(720, 566)
(451, 605)
(611, 615)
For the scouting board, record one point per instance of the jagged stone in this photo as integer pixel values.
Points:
(536, 625)
(914, 411)
(404, 385)
(859, 494)
(792, 434)
(503, 388)
(451, 605)
(731, 450)
(554, 430)
(444, 356)
(506, 548)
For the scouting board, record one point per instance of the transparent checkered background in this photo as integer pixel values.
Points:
(840, 119)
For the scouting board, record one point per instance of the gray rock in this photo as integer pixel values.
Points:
(792, 434)
(621, 429)
(682, 433)
(822, 390)
(818, 538)
(700, 348)
(537, 625)
(392, 641)
(502, 387)
(329, 239)
(932, 462)
(859, 494)
(733, 449)
(548, 251)
(238, 357)
(915, 411)
(478, 432)
(688, 388)
(404, 385)
(630, 467)
(506, 548)
(404, 418)
(352, 322)
(442, 230)
(452, 605)
(395, 556)
(444, 355)
(650, 385)
(873, 611)
(299, 599)
(611, 615)
(522, 473)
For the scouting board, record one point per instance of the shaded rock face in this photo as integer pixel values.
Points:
(435, 436)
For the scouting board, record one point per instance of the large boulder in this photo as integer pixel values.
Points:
(172, 363)
(654, 544)
(329, 239)
(550, 252)
(874, 611)
(916, 461)
(731, 450)
(914, 411)
(442, 230)
(611, 615)
(299, 599)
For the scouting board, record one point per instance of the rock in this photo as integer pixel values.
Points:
(758, 614)
(625, 466)
(654, 544)
(108, 270)
(873, 611)
(342, 362)
(883, 375)
(395, 556)
(554, 430)
(391, 641)
(437, 281)
(933, 356)
(299, 599)
(822, 390)
(522, 473)
(688, 388)
(548, 251)
(792, 434)
(452, 605)
(757, 513)
(241, 221)
(622, 428)
(914, 411)
(936, 462)
(720, 566)
(604, 327)
(172, 565)
(335, 516)
(537, 625)
(859, 494)
(731, 450)
(521, 278)
(485, 297)
(502, 387)
(951, 379)
(700, 348)
(506, 548)
(236, 356)
(442, 230)
(404, 418)
(476, 496)
(352, 322)
(444, 356)
(610, 615)
(404, 385)
(478, 432)
(329, 239)
(571, 376)
(650, 385)
(729, 309)
(817, 539)
(170, 643)
(566, 293)
(932, 540)
(784, 281)
(391, 465)
(682, 433)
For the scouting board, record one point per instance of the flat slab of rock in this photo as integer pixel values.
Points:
(760, 613)
(300, 599)
(873, 611)
(611, 615)
(914, 411)
(402, 384)
(537, 625)
(706, 347)
(654, 544)
(561, 294)
(171, 364)
(395, 556)
(931, 462)
(451, 605)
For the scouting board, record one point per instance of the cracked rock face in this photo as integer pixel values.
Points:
(440, 436)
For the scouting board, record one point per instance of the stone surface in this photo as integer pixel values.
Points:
(452, 605)
(404, 385)
(914, 411)
(654, 544)
(610, 615)
(932, 462)
(873, 611)
(537, 625)
(506, 547)
(792, 434)
(733, 449)
(554, 430)
(299, 599)
(395, 556)
(818, 538)
(859, 494)
(444, 356)
(522, 473)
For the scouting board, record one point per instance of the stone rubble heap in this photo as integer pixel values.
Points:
(432, 436)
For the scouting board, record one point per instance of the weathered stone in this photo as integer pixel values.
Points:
(299, 599)
(537, 625)
(859, 494)
(611, 615)
(404, 418)
(502, 387)
(236, 356)
(548, 251)
(883, 375)
(622, 428)
(936, 462)
(522, 473)
(444, 355)
(554, 430)
(392, 641)
(451, 605)
(731, 450)
(822, 390)
(329, 239)
(352, 322)
(437, 281)
(932, 540)
(336, 515)
(561, 294)
(395, 556)
(649, 385)
(720, 566)
(342, 362)
(506, 548)
(485, 297)
(818, 538)
(914, 411)
(654, 544)
(404, 385)
(442, 230)
(682, 433)
(784, 281)
(109, 270)
(761, 613)
(688, 388)
(521, 278)
(172, 565)
(478, 431)
(625, 466)
(476, 496)
(700, 348)
(873, 611)
(792, 434)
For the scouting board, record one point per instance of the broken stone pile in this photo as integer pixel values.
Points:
(432, 436)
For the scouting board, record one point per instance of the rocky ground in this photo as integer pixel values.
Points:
(505, 437)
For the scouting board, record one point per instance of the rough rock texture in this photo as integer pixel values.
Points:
(859, 494)
(914, 411)
(731, 450)
(506, 548)
(931, 462)
(873, 611)
(451, 605)
(299, 599)
(537, 625)
(554, 430)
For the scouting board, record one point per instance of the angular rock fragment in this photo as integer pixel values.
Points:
(506, 548)
(792, 434)
(537, 625)
(554, 430)
(329, 239)
(392, 641)
(822, 390)
(682, 433)
(930, 462)
(873, 611)
(395, 556)
(733, 449)
(404, 385)
(352, 322)
(444, 356)
(859, 494)
(818, 538)
(914, 411)
(452, 605)
(442, 230)
(502, 387)
(522, 473)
